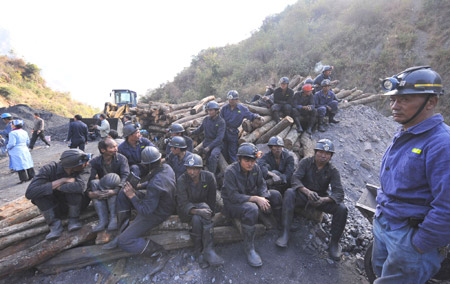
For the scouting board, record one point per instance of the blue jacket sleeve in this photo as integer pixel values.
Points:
(149, 204)
(248, 114)
(199, 129)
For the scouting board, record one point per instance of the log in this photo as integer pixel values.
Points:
(367, 100)
(22, 245)
(194, 123)
(280, 126)
(259, 110)
(190, 117)
(308, 145)
(44, 250)
(290, 138)
(354, 95)
(249, 126)
(80, 257)
(283, 133)
(336, 90)
(345, 93)
(363, 96)
(222, 163)
(184, 105)
(294, 81)
(21, 226)
(14, 207)
(297, 145)
(252, 137)
(155, 128)
(199, 106)
(20, 217)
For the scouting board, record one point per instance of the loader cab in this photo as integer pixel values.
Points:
(124, 97)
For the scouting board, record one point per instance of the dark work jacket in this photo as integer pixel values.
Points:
(286, 166)
(41, 185)
(189, 143)
(321, 99)
(159, 197)
(238, 187)
(78, 132)
(301, 101)
(280, 98)
(307, 175)
(134, 154)
(214, 130)
(233, 119)
(178, 166)
(188, 194)
(119, 165)
(318, 80)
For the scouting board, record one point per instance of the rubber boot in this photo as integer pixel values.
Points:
(287, 216)
(74, 218)
(335, 249)
(112, 213)
(54, 224)
(298, 124)
(30, 173)
(196, 235)
(23, 176)
(310, 126)
(331, 118)
(123, 221)
(102, 212)
(277, 214)
(320, 124)
(152, 248)
(209, 254)
(253, 257)
(276, 116)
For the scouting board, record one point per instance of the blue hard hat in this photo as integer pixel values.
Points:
(233, 95)
(6, 115)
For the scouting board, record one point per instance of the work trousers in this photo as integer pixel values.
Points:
(213, 159)
(27, 174)
(306, 117)
(35, 136)
(286, 108)
(77, 144)
(61, 201)
(293, 198)
(322, 110)
(230, 145)
(248, 212)
(395, 260)
(139, 170)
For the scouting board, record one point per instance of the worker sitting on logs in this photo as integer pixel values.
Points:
(245, 193)
(59, 188)
(213, 126)
(265, 100)
(324, 75)
(178, 155)
(310, 184)
(153, 207)
(282, 99)
(132, 147)
(277, 165)
(112, 170)
(326, 103)
(234, 113)
(196, 201)
(177, 129)
(304, 110)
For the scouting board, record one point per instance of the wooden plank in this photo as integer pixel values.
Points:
(14, 207)
(199, 106)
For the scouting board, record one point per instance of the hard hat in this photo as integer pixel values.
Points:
(178, 142)
(176, 128)
(307, 88)
(248, 150)
(233, 95)
(325, 145)
(326, 68)
(17, 122)
(284, 80)
(275, 141)
(73, 158)
(213, 105)
(414, 80)
(110, 181)
(325, 82)
(194, 161)
(6, 115)
(309, 81)
(150, 155)
(129, 129)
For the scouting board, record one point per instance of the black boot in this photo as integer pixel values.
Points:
(23, 176)
(335, 249)
(298, 124)
(102, 212)
(287, 216)
(54, 224)
(30, 173)
(123, 221)
(152, 248)
(277, 214)
(320, 124)
(209, 254)
(331, 118)
(310, 126)
(74, 218)
(276, 116)
(253, 257)
(112, 213)
(196, 236)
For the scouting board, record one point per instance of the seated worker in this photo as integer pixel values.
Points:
(132, 147)
(282, 99)
(266, 100)
(196, 202)
(127, 119)
(178, 155)
(245, 193)
(177, 129)
(310, 184)
(153, 207)
(277, 165)
(304, 110)
(326, 103)
(325, 75)
(213, 126)
(234, 113)
(59, 188)
(109, 163)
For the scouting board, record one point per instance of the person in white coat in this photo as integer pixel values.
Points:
(20, 159)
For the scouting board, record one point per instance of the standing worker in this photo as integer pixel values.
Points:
(78, 133)
(412, 219)
(7, 119)
(19, 156)
(38, 131)
(104, 127)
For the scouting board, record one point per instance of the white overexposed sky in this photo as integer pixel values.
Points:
(88, 48)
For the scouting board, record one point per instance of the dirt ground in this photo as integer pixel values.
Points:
(360, 140)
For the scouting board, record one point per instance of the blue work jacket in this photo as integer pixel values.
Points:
(134, 154)
(214, 130)
(233, 119)
(321, 99)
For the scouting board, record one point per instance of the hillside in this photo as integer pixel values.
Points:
(364, 40)
(21, 83)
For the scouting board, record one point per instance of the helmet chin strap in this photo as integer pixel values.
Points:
(418, 111)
